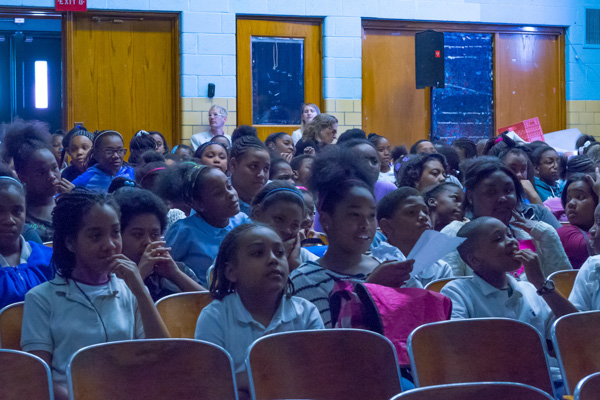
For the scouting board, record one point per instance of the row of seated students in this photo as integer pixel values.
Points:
(234, 217)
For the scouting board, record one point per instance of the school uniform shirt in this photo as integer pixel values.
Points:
(59, 319)
(475, 298)
(585, 295)
(70, 173)
(297, 135)
(43, 228)
(245, 208)
(160, 287)
(551, 254)
(315, 283)
(574, 241)
(33, 269)
(97, 180)
(388, 177)
(546, 191)
(438, 270)
(199, 139)
(228, 324)
(195, 242)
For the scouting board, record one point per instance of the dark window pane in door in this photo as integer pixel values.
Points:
(465, 108)
(5, 92)
(277, 80)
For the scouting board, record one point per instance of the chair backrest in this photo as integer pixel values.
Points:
(564, 281)
(588, 388)
(151, 369)
(11, 320)
(476, 391)
(180, 312)
(437, 285)
(478, 350)
(24, 376)
(577, 344)
(323, 364)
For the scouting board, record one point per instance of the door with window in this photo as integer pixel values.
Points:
(278, 69)
(31, 77)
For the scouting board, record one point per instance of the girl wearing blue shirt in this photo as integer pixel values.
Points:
(195, 240)
(23, 265)
(109, 152)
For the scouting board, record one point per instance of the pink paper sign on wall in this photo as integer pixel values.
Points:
(529, 130)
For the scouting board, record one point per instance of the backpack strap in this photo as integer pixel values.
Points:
(371, 316)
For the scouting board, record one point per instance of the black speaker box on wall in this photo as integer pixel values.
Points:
(429, 58)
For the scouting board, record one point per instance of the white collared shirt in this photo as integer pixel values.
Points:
(25, 253)
(60, 320)
(475, 298)
(228, 324)
(585, 295)
(199, 139)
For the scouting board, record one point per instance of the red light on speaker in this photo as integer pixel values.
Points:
(437, 54)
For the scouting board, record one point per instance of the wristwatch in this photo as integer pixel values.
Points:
(547, 287)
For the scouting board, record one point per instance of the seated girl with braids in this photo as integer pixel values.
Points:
(27, 143)
(23, 264)
(252, 297)
(98, 295)
(195, 240)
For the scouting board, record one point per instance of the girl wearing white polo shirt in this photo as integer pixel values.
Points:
(98, 295)
(252, 296)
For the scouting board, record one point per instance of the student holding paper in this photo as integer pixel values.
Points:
(403, 217)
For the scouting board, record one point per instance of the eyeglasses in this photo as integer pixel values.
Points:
(110, 152)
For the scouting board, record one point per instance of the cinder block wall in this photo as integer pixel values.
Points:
(208, 45)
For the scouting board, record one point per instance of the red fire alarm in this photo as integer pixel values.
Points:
(437, 54)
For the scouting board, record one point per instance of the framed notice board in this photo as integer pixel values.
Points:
(465, 107)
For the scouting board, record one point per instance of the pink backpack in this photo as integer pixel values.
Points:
(392, 312)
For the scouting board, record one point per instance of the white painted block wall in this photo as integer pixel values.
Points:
(208, 34)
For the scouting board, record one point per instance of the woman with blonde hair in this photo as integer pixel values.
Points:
(320, 132)
(309, 112)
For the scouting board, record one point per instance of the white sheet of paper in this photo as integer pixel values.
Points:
(431, 246)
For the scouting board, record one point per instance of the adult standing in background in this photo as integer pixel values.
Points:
(309, 112)
(217, 116)
(319, 133)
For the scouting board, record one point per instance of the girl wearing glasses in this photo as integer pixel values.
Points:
(108, 152)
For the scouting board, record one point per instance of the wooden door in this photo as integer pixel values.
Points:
(530, 80)
(277, 107)
(123, 73)
(391, 104)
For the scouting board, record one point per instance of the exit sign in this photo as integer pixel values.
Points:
(70, 5)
